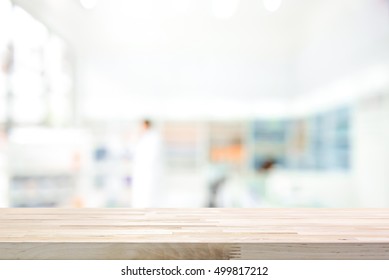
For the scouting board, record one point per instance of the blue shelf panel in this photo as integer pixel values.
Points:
(319, 142)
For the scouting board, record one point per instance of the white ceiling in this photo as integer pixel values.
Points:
(131, 25)
(179, 49)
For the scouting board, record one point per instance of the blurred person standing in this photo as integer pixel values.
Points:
(258, 194)
(147, 168)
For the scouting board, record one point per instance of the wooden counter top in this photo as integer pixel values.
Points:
(194, 233)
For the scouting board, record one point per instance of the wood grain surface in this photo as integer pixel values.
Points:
(214, 233)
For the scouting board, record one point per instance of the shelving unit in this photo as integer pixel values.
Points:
(267, 141)
(330, 143)
(316, 142)
(46, 167)
(111, 155)
(36, 94)
(183, 144)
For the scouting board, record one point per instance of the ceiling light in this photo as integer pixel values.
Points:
(88, 4)
(272, 5)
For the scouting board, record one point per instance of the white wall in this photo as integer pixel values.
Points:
(3, 182)
(371, 151)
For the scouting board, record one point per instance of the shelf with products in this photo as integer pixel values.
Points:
(330, 145)
(297, 143)
(42, 191)
(35, 92)
(316, 142)
(267, 141)
(183, 145)
(46, 166)
(227, 142)
(111, 155)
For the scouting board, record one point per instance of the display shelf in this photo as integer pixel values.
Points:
(268, 141)
(42, 191)
(45, 166)
(227, 143)
(183, 142)
(316, 142)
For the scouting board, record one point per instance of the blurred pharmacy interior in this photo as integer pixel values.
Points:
(256, 103)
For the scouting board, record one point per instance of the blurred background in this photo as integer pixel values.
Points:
(254, 103)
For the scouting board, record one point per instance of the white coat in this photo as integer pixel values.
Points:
(147, 171)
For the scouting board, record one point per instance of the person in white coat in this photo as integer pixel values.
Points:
(147, 168)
